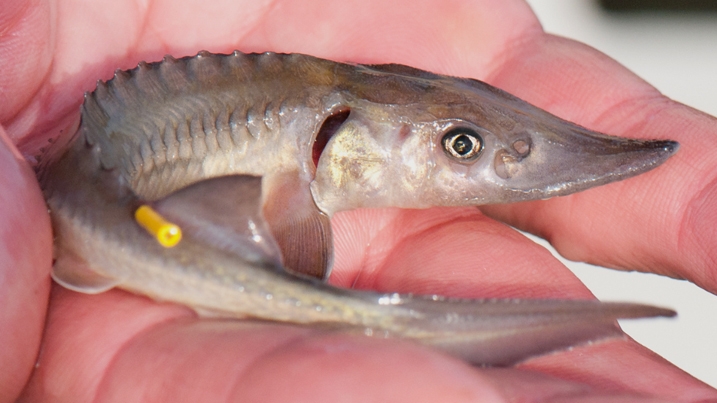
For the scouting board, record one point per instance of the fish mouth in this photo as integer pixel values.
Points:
(558, 161)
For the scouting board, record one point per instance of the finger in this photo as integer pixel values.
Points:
(449, 37)
(446, 251)
(120, 347)
(83, 334)
(25, 259)
(274, 363)
(620, 365)
(663, 221)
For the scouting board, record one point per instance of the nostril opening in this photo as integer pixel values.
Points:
(504, 164)
(328, 128)
(522, 147)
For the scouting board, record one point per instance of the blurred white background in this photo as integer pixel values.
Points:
(677, 53)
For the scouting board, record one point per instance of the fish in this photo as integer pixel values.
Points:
(210, 181)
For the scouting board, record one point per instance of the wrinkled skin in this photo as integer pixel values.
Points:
(117, 346)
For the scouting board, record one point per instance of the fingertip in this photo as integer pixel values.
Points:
(25, 260)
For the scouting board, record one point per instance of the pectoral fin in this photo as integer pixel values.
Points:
(271, 221)
(302, 231)
(225, 213)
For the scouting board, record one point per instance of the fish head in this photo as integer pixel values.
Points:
(460, 142)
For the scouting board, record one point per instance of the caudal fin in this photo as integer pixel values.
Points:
(504, 332)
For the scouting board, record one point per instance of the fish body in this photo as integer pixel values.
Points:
(252, 154)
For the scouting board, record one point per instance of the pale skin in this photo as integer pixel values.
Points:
(118, 346)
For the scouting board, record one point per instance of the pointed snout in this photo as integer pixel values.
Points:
(556, 160)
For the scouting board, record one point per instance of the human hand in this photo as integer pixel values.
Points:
(123, 347)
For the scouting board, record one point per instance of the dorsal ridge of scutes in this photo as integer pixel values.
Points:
(135, 88)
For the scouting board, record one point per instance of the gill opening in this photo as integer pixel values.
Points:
(329, 127)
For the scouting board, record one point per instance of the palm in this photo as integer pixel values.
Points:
(120, 345)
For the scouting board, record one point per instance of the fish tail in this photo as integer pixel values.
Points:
(503, 332)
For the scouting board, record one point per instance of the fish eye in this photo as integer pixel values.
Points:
(462, 144)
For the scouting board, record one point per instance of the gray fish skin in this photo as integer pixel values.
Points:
(251, 154)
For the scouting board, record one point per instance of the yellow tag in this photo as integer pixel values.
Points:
(166, 233)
